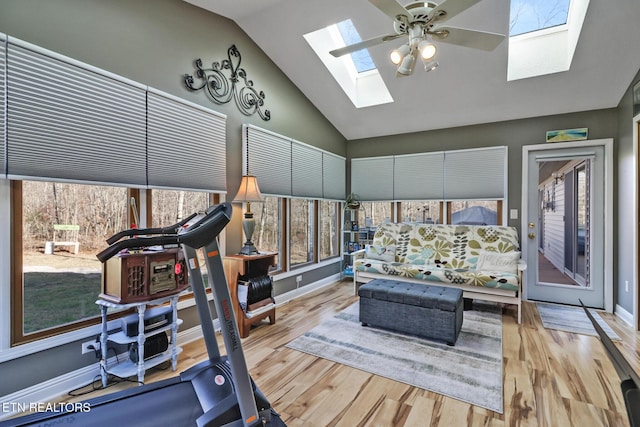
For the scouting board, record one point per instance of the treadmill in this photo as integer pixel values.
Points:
(214, 393)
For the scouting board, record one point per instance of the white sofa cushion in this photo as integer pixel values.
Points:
(498, 262)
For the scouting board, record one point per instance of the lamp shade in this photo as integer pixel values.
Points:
(427, 50)
(249, 190)
(396, 56)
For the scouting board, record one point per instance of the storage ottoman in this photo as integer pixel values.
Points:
(427, 311)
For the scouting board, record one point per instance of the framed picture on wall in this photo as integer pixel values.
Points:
(636, 99)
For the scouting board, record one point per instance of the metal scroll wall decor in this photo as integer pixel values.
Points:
(225, 81)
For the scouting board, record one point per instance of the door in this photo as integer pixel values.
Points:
(564, 235)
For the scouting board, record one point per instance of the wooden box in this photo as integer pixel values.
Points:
(143, 276)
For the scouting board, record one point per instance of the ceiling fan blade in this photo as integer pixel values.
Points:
(469, 38)
(450, 8)
(363, 44)
(391, 8)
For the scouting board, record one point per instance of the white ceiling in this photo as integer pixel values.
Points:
(469, 87)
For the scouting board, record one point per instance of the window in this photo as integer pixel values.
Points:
(301, 231)
(372, 214)
(543, 36)
(361, 59)
(424, 211)
(534, 15)
(474, 212)
(356, 73)
(171, 206)
(268, 217)
(56, 287)
(329, 226)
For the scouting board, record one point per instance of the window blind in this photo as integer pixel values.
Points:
(419, 177)
(3, 105)
(475, 174)
(333, 176)
(290, 168)
(68, 121)
(306, 171)
(372, 178)
(449, 175)
(267, 156)
(186, 145)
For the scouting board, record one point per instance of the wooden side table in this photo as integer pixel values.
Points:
(245, 267)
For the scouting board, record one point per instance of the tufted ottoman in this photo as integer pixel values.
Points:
(428, 311)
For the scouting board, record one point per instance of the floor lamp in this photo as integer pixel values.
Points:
(248, 192)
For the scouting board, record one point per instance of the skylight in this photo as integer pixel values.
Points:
(543, 36)
(356, 74)
(534, 15)
(361, 59)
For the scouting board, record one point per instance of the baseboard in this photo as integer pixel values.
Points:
(298, 292)
(624, 315)
(54, 388)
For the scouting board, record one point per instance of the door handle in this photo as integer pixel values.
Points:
(532, 235)
(531, 225)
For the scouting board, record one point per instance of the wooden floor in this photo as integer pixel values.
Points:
(551, 378)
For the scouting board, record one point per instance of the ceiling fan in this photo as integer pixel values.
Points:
(421, 23)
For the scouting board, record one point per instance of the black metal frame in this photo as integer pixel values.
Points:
(221, 89)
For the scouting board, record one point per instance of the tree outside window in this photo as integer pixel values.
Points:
(301, 236)
(267, 215)
(423, 211)
(329, 227)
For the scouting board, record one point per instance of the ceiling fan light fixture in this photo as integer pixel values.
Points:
(396, 56)
(406, 68)
(430, 65)
(427, 50)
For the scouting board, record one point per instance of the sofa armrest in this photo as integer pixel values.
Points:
(522, 265)
(359, 254)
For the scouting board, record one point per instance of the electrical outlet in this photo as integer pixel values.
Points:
(299, 278)
(90, 347)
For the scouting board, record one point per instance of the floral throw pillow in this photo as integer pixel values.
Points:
(498, 262)
(381, 253)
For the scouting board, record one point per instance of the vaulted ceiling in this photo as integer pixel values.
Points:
(469, 87)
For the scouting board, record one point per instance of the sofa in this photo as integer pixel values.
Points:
(481, 260)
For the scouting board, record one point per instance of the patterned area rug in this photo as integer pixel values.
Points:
(572, 319)
(470, 371)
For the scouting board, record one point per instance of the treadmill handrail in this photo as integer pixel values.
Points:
(206, 227)
(171, 229)
(629, 379)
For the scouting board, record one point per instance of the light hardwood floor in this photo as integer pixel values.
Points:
(551, 378)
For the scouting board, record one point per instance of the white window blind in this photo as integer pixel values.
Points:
(186, 145)
(268, 156)
(306, 171)
(372, 178)
(419, 177)
(3, 105)
(449, 175)
(68, 121)
(289, 168)
(333, 176)
(475, 174)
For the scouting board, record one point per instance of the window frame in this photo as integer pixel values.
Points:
(17, 335)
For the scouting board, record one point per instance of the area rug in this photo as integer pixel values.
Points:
(470, 371)
(572, 319)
